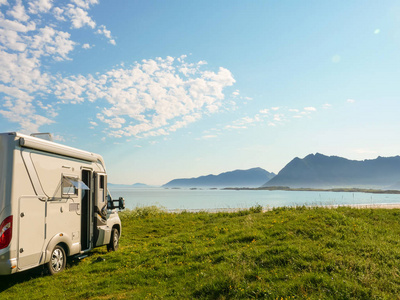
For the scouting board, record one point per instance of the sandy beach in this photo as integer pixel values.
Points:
(386, 206)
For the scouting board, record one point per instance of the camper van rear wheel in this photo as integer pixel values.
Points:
(114, 242)
(57, 261)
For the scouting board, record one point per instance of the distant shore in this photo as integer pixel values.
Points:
(347, 190)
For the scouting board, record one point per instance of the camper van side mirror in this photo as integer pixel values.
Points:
(121, 203)
(112, 204)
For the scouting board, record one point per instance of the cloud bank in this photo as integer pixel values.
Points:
(148, 98)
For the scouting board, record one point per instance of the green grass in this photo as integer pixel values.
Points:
(285, 253)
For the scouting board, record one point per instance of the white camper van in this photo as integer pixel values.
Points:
(53, 204)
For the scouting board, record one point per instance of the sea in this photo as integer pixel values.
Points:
(218, 199)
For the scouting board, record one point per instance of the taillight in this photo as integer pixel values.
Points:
(6, 232)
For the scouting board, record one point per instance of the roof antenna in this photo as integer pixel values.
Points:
(44, 136)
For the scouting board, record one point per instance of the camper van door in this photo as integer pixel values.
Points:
(31, 234)
(100, 206)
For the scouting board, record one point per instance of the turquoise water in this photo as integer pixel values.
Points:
(173, 199)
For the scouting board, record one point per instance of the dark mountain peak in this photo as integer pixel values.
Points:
(391, 158)
(321, 171)
(316, 155)
(254, 177)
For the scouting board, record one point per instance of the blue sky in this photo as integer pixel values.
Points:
(172, 89)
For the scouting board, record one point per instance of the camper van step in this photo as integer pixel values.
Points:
(82, 256)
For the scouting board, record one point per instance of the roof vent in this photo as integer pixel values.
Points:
(44, 136)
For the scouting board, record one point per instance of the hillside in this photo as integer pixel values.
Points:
(320, 171)
(239, 178)
(286, 253)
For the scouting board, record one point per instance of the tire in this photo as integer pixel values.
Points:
(58, 260)
(114, 241)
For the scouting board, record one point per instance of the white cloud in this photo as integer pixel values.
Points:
(17, 26)
(271, 119)
(18, 12)
(58, 14)
(236, 93)
(244, 122)
(79, 17)
(48, 108)
(85, 3)
(25, 41)
(24, 113)
(307, 111)
(326, 106)
(210, 136)
(377, 31)
(107, 33)
(351, 101)
(50, 42)
(150, 98)
(235, 127)
(278, 117)
(58, 138)
(310, 108)
(40, 6)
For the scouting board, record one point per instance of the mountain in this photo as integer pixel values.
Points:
(238, 178)
(321, 171)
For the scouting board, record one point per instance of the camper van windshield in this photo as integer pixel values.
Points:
(70, 185)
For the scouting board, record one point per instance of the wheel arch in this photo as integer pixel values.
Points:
(61, 239)
(118, 227)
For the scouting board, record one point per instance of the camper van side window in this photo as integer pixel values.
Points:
(101, 190)
(102, 182)
(71, 185)
(68, 187)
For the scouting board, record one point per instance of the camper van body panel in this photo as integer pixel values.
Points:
(8, 254)
(42, 188)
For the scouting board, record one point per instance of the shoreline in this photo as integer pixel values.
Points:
(337, 190)
(266, 209)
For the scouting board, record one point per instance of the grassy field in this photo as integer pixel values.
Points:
(286, 253)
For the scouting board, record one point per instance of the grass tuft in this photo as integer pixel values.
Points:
(142, 212)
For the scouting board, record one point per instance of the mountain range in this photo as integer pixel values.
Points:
(313, 171)
(321, 171)
(239, 178)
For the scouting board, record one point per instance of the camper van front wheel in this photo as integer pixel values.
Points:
(57, 261)
(114, 242)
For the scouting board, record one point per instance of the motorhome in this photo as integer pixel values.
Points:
(53, 204)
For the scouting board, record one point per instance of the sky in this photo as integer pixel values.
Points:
(178, 89)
